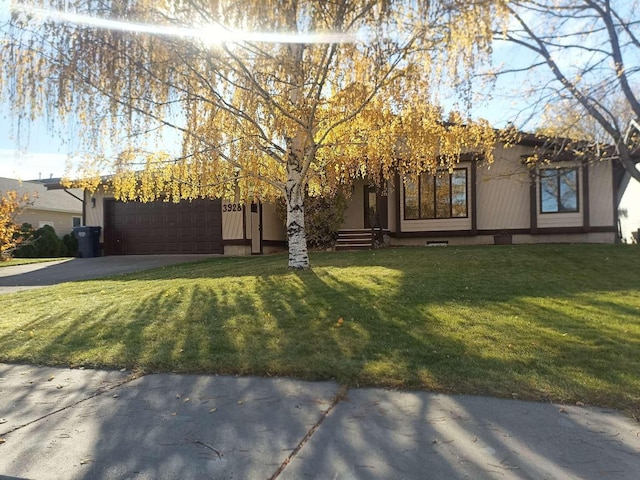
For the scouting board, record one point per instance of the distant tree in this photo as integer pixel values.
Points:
(591, 49)
(327, 92)
(11, 205)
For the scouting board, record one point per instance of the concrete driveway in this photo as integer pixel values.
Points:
(36, 275)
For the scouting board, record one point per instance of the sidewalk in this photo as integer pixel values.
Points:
(73, 424)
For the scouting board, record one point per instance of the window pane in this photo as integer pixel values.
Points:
(459, 193)
(568, 191)
(549, 191)
(427, 209)
(443, 196)
(411, 200)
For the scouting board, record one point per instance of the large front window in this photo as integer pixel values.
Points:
(441, 196)
(558, 190)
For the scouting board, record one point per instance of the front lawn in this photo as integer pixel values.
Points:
(545, 322)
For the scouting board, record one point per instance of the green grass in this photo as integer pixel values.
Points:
(545, 322)
(26, 261)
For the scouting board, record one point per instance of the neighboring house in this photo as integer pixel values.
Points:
(563, 200)
(629, 211)
(59, 208)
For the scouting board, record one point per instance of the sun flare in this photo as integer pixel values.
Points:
(210, 34)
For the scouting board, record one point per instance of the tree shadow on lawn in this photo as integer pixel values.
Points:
(400, 327)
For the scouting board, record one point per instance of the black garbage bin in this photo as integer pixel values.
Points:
(88, 241)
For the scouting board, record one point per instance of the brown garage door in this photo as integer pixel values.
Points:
(134, 228)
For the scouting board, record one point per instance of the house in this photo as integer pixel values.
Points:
(60, 209)
(564, 199)
(629, 211)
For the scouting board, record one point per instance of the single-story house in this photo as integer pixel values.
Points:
(629, 211)
(58, 208)
(563, 200)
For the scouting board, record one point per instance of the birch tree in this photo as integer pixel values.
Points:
(582, 71)
(267, 97)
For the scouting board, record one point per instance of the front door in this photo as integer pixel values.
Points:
(375, 208)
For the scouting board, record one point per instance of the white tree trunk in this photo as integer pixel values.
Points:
(298, 255)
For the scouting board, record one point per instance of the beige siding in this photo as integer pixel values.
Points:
(608, 237)
(61, 222)
(232, 219)
(273, 227)
(237, 250)
(601, 195)
(503, 191)
(95, 213)
(354, 213)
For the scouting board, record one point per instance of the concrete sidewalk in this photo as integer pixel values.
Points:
(72, 424)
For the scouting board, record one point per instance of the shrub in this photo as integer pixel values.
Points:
(45, 243)
(69, 246)
(323, 217)
(48, 242)
(27, 248)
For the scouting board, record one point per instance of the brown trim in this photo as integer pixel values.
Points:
(275, 243)
(260, 225)
(434, 200)
(512, 231)
(399, 185)
(236, 241)
(586, 223)
(434, 233)
(558, 170)
(473, 202)
(533, 204)
(562, 230)
(244, 221)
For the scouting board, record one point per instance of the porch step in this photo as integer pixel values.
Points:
(355, 239)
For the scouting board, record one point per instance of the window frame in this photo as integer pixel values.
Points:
(557, 173)
(434, 200)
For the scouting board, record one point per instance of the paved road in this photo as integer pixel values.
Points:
(92, 424)
(35, 275)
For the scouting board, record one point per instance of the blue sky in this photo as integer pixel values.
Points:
(34, 152)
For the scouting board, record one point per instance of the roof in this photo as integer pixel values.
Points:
(43, 199)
